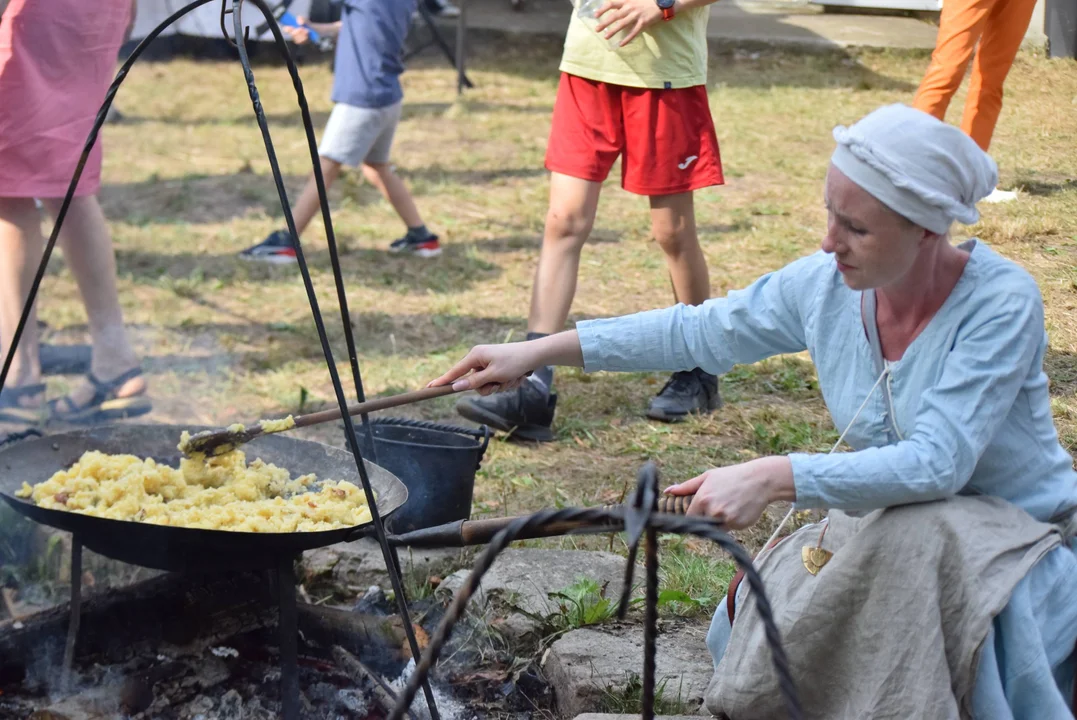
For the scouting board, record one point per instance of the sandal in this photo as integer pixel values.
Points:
(105, 405)
(13, 411)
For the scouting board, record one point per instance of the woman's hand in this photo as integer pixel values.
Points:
(737, 495)
(632, 16)
(496, 368)
(492, 368)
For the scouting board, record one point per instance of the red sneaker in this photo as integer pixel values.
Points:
(427, 247)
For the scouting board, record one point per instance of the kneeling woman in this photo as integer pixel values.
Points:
(951, 590)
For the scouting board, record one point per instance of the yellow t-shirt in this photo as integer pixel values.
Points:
(669, 54)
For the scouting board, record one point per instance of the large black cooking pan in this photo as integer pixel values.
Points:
(176, 548)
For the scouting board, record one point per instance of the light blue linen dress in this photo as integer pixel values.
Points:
(965, 410)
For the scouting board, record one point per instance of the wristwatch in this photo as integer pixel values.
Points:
(666, 6)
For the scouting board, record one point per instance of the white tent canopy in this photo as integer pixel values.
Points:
(206, 20)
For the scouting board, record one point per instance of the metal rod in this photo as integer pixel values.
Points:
(396, 560)
(660, 522)
(288, 627)
(312, 297)
(463, 533)
(439, 40)
(76, 610)
(650, 622)
(338, 275)
(461, 48)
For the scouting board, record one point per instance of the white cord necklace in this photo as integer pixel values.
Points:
(884, 375)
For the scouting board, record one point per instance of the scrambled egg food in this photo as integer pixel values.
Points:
(272, 426)
(218, 493)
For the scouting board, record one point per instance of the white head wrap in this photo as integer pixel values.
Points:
(918, 166)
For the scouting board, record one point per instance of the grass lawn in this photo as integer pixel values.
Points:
(187, 186)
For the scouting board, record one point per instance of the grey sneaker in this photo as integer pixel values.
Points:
(694, 391)
(526, 413)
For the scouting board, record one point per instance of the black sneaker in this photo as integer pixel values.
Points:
(694, 391)
(276, 249)
(526, 412)
(427, 247)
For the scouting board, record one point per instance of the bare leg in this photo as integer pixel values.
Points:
(674, 226)
(87, 247)
(308, 205)
(389, 184)
(528, 412)
(573, 205)
(21, 246)
(673, 223)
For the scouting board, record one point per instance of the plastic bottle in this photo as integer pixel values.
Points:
(585, 11)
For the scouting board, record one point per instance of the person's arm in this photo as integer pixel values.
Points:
(300, 35)
(327, 29)
(635, 16)
(496, 368)
(957, 419)
(762, 320)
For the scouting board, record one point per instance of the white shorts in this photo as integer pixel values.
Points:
(355, 135)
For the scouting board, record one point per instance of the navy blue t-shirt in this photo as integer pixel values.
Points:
(370, 50)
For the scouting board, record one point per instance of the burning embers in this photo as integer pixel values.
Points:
(188, 647)
(240, 686)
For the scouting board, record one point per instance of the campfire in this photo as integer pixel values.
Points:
(227, 632)
(183, 646)
(223, 632)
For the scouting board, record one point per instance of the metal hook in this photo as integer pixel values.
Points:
(225, 10)
(224, 31)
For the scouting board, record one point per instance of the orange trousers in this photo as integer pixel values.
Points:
(999, 26)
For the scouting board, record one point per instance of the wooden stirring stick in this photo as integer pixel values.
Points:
(219, 442)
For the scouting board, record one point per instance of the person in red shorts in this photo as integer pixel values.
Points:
(633, 85)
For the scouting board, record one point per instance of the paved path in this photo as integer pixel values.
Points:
(734, 22)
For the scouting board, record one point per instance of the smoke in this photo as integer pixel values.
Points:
(16, 539)
(448, 707)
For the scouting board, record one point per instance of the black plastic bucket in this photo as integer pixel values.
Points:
(436, 462)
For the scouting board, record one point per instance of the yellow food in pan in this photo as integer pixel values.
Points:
(218, 493)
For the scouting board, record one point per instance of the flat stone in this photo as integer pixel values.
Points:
(521, 579)
(583, 665)
(358, 565)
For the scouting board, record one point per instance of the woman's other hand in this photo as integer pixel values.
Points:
(737, 495)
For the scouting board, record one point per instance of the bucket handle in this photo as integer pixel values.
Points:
(482, 432)
(485, 441)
